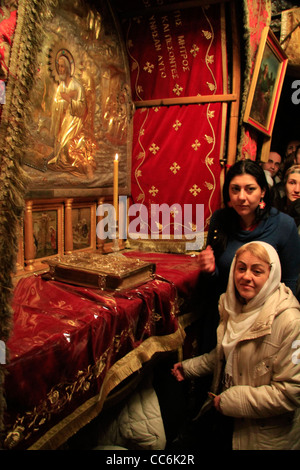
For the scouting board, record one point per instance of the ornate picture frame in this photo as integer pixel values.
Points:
(43, 233)
(84, 226)
(266, 84)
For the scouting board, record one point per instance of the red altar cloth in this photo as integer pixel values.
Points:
(182, 270)
(70, 346)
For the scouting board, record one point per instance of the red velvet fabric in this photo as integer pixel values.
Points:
(66, 338)
(182, 270)
(177, 53)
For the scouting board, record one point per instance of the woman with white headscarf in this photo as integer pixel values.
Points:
(256, 363)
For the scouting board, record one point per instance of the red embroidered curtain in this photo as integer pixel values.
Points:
(176, 149)
(176, 161)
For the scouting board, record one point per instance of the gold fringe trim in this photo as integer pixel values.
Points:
(121, 370)
(175, 246)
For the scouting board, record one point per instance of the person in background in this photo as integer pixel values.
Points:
(291, 147)
(286, 197)
(297, 155)
(272, 167)
(292, 159)
(255, 400)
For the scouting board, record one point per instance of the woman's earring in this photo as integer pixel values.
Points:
(262, 204)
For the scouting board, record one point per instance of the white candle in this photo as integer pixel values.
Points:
(116, 185)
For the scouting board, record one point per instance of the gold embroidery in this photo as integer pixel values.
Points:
(155, 317)
(153, 191)
(140, 155)
(209, 185)
(211, 86)
(174, 212)
(148, 67)
(194, 50)
(154, 148)
(209, 139)
(196, 145)
(177, 89)
(207, 34)
(175, 168)
(177, 125)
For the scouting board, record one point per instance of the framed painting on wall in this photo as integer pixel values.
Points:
(266, 84)
(84, 226)
(43, 233)
(47, 231)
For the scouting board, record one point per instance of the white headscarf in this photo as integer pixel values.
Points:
(242, 316)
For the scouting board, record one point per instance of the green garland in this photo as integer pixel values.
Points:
(26, 44)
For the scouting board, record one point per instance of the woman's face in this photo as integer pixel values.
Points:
(292, 187)
(245, 194)
(250, 275)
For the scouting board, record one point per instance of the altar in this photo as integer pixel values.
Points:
(71, 346)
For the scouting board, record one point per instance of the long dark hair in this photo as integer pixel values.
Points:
(228, 220)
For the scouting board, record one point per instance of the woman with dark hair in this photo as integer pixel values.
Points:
(248, 216)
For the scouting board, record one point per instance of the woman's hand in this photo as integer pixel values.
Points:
(206, 260)
(217, 400)
(178, 372)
